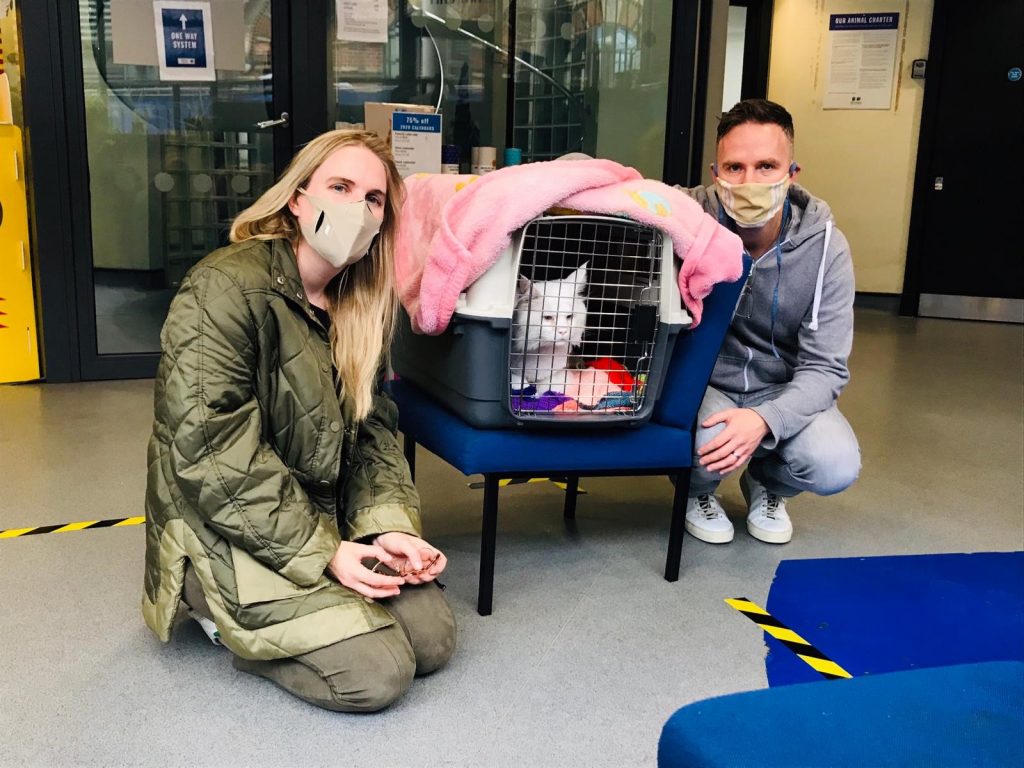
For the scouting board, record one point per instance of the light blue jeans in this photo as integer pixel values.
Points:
(823, 457)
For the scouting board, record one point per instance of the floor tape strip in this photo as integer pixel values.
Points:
(117, 522)
(810, 655)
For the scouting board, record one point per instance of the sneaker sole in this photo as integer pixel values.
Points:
(769, 537)
(709, 537)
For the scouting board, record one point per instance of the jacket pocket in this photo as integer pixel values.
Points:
(256, 583)
(767, 371)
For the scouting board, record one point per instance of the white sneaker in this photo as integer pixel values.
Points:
(767, 519)
(706, 520)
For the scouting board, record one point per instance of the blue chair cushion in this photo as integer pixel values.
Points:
(971, 714)
(484, 451)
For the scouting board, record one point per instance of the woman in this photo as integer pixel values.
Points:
(268, 437)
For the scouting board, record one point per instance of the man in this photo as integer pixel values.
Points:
(771, 404)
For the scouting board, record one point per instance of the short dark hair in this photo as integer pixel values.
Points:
(756, 111)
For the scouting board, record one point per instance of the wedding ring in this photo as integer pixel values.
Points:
(736, 454)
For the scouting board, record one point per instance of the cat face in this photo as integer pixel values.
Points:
(551, 311)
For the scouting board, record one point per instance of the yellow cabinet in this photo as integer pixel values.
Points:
(19, 349)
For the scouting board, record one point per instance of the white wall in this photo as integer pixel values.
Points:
(735, 39)
(861, 162)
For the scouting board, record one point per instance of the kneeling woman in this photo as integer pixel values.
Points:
(275, 478)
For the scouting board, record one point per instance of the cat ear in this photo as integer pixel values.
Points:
(579, 279)
(525, 287)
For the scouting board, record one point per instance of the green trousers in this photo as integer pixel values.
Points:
(367, 672)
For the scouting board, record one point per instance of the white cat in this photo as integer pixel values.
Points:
(549, 320)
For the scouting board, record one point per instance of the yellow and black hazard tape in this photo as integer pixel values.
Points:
(117, 522)
(503, 483)
(818, 661)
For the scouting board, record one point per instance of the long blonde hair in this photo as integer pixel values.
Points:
(362, 300)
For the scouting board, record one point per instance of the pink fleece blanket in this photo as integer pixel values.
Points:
(454, 228)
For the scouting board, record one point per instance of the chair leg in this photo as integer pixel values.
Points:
(572, 484)
(677, 527)
(409, 446)
(488, 542)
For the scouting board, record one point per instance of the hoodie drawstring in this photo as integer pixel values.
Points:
(821, 278)
(787, 213)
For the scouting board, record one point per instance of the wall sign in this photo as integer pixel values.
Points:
(861, 60)
(362, 21)
(184, 39)
(416, 142)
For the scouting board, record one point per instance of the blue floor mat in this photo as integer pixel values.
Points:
(885, 614)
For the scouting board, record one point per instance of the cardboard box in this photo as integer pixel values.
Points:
(377, 115)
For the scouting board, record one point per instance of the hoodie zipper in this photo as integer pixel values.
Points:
(749, 351)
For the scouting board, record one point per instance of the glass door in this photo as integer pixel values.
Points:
(165, 118)
(548, 77)
(180, 121)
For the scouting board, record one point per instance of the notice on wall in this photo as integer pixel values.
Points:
(416, 142)
(482, 11)
(184, 39)
(861, 60)
(362, 21)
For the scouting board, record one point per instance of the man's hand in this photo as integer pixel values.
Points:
(730, 448)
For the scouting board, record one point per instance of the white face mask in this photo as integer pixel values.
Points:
(341, 233)
(753, 205)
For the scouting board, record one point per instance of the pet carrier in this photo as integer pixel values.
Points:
(572, 326)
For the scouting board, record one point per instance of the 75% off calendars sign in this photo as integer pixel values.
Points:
(184, 40)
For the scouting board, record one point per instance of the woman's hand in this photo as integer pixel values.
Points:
(347, 567)
(730, 448)
(411, 556)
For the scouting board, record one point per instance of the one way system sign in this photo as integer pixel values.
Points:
(184, 35)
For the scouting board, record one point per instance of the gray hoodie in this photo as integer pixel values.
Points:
(803, 373)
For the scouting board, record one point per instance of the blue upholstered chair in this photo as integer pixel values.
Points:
(663, 446)
(969, 714)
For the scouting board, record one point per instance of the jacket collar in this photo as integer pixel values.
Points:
(284, 271)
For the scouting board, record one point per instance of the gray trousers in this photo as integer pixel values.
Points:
(367, 672)
(823, 457)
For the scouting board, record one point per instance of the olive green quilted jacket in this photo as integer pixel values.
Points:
(250, 446)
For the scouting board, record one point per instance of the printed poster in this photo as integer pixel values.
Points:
(416, 142)
(184, 39)
(861, 60)
(362, 21)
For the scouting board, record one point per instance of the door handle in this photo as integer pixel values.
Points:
(282, 120)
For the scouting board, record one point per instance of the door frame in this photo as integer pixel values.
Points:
(56, 147)
(757, 47)
(687, 92)
(913, 273)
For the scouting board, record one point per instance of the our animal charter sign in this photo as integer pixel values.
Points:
(861, 60)
(184, 39)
